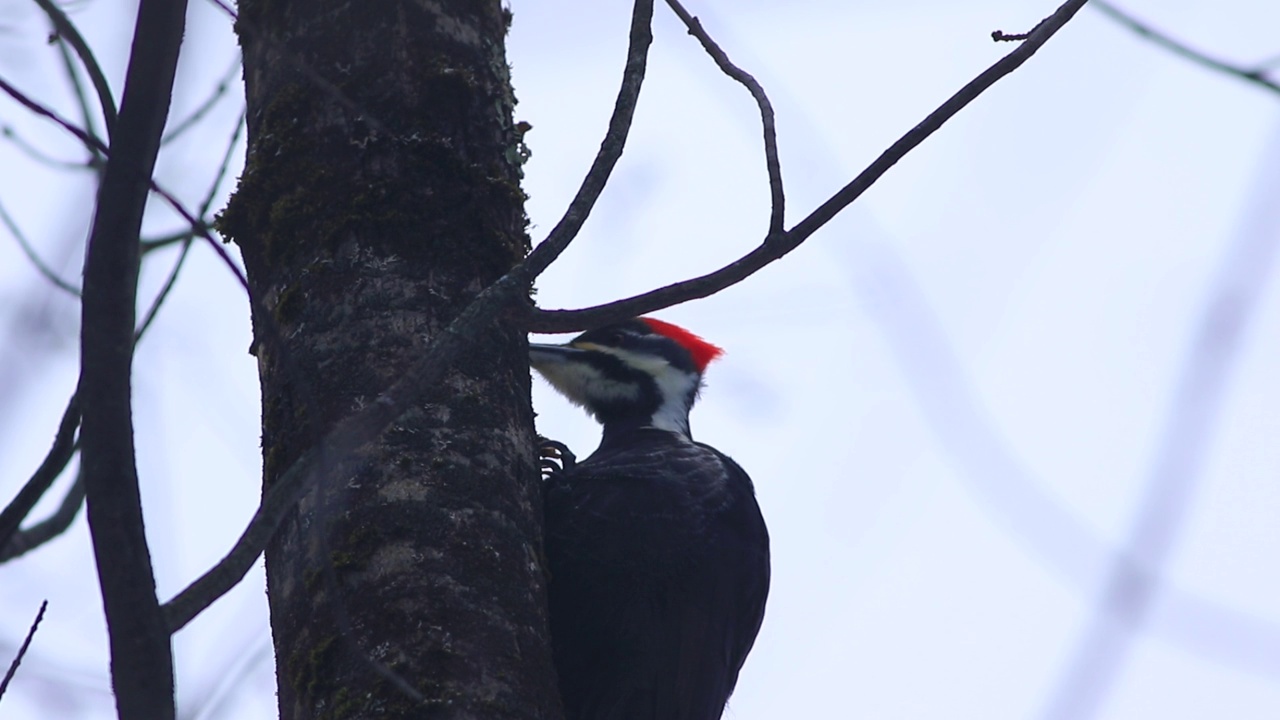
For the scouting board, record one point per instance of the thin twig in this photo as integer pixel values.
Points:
(186, 245)
(230, 679)
(776, 246)
(22, 651)
(164, 241)
(1256, 75)
(198, 227)
(87, 116)
(14, 542)
(67, 31)
(41, 156)
(778, 198)
(198, 114)
(33, 256)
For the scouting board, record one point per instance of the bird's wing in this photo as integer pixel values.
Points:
(657, 586)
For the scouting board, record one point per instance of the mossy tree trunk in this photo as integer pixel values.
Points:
(380, 195)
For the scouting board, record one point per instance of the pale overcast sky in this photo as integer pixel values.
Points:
(1054, 318)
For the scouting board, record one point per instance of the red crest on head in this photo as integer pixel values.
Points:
(702, 351)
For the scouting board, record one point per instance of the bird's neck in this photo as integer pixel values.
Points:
(676, 425)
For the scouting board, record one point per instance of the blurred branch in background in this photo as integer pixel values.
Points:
(27, 249)
(1127, 596)
(1010, 492)
(66, 33)
(13, 542)
(231, 678)
(219, 92)
(1126, 599)
(1256, 74)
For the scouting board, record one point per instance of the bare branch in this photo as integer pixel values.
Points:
(777, 213)
(611, 147)
(188, 236)
(14, 542)
(200, 228)
(164, 241)
(776, 246)
(88, 115)
(22, 651)
(28, 539)
(64, 446)
(67, 31)
(141, 651)
(1256, 75)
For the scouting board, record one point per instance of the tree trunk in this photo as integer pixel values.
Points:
(381, 193)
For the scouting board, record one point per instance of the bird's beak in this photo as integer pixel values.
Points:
(544, 355)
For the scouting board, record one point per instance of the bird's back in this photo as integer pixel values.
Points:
(659, 563)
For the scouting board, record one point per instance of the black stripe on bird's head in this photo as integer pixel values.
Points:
(641, 372)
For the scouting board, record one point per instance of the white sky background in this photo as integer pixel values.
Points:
(952, 399)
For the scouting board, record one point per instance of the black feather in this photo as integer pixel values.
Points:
(659, 570)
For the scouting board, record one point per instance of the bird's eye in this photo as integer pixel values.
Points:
(617, 337)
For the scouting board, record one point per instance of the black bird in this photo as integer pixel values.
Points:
(657, 554)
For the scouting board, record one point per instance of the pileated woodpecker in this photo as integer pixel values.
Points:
(658, 557)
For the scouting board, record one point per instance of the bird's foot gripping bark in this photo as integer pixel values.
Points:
(555, 457)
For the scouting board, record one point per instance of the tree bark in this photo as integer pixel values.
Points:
(380, 195)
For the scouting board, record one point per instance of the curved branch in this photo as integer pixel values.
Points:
(778, 198)
(68, 32)
(64, 446)
(28, 539)
(615, 139)
(141, 651)
(776, 246)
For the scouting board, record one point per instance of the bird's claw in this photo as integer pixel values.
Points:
(555, 457)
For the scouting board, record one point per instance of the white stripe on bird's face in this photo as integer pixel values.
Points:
(582, 383)
(585, 385)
